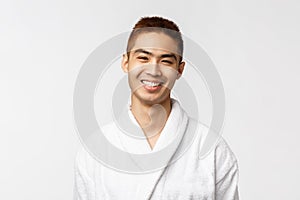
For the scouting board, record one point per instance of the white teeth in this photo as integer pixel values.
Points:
(149, 83)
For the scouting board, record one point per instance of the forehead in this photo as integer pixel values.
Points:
(153, 41)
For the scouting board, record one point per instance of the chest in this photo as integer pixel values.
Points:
(186, 178)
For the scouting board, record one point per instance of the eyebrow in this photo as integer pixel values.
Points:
(170, 55)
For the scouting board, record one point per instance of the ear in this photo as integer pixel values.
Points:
(125, 63)
(180, 69)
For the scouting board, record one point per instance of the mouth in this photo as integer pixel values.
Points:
(151, 83)
(152, 86)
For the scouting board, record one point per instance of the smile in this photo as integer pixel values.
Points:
(150, 83)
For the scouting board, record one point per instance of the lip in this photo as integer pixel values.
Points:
(150, 88)
(153, 81)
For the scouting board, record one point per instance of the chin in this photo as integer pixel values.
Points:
(152, 100)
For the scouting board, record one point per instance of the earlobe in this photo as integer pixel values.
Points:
(125, 63)
(180, 69)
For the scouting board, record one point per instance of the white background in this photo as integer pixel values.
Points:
(254, 44)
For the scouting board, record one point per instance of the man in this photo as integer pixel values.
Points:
(154, 62)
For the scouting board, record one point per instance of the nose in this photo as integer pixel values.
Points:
(154, 69)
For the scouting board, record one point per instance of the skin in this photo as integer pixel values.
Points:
(153, 58)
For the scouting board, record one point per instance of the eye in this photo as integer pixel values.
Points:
(142, 58)
(167, 62)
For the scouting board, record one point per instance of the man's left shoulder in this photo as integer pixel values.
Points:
(219, 149)
(223, 151)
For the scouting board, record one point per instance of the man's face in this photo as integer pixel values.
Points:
(153, 67)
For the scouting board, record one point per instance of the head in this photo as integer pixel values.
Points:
(158, 25)
(154, 59)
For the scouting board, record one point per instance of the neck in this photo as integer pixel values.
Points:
(151, 117)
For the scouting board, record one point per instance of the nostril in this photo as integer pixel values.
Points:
(154, 70)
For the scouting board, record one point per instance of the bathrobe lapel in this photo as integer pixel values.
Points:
(171, 135)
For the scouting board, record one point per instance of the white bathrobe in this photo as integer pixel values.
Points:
(213, 177)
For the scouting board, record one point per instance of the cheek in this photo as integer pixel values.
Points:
(133, 80)
(134, 69)
(134, 72)
(171, 75)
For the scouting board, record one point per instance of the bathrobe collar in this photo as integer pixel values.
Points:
(176, 120)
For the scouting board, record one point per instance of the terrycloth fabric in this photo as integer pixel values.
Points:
(214, 177)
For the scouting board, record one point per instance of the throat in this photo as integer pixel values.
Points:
(151, 119)
(153, 140)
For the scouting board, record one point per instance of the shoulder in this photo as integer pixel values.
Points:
(85, 163)
(213, 147)
(226, 163)
(223, 151)
(82, 157)
(213, 143)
